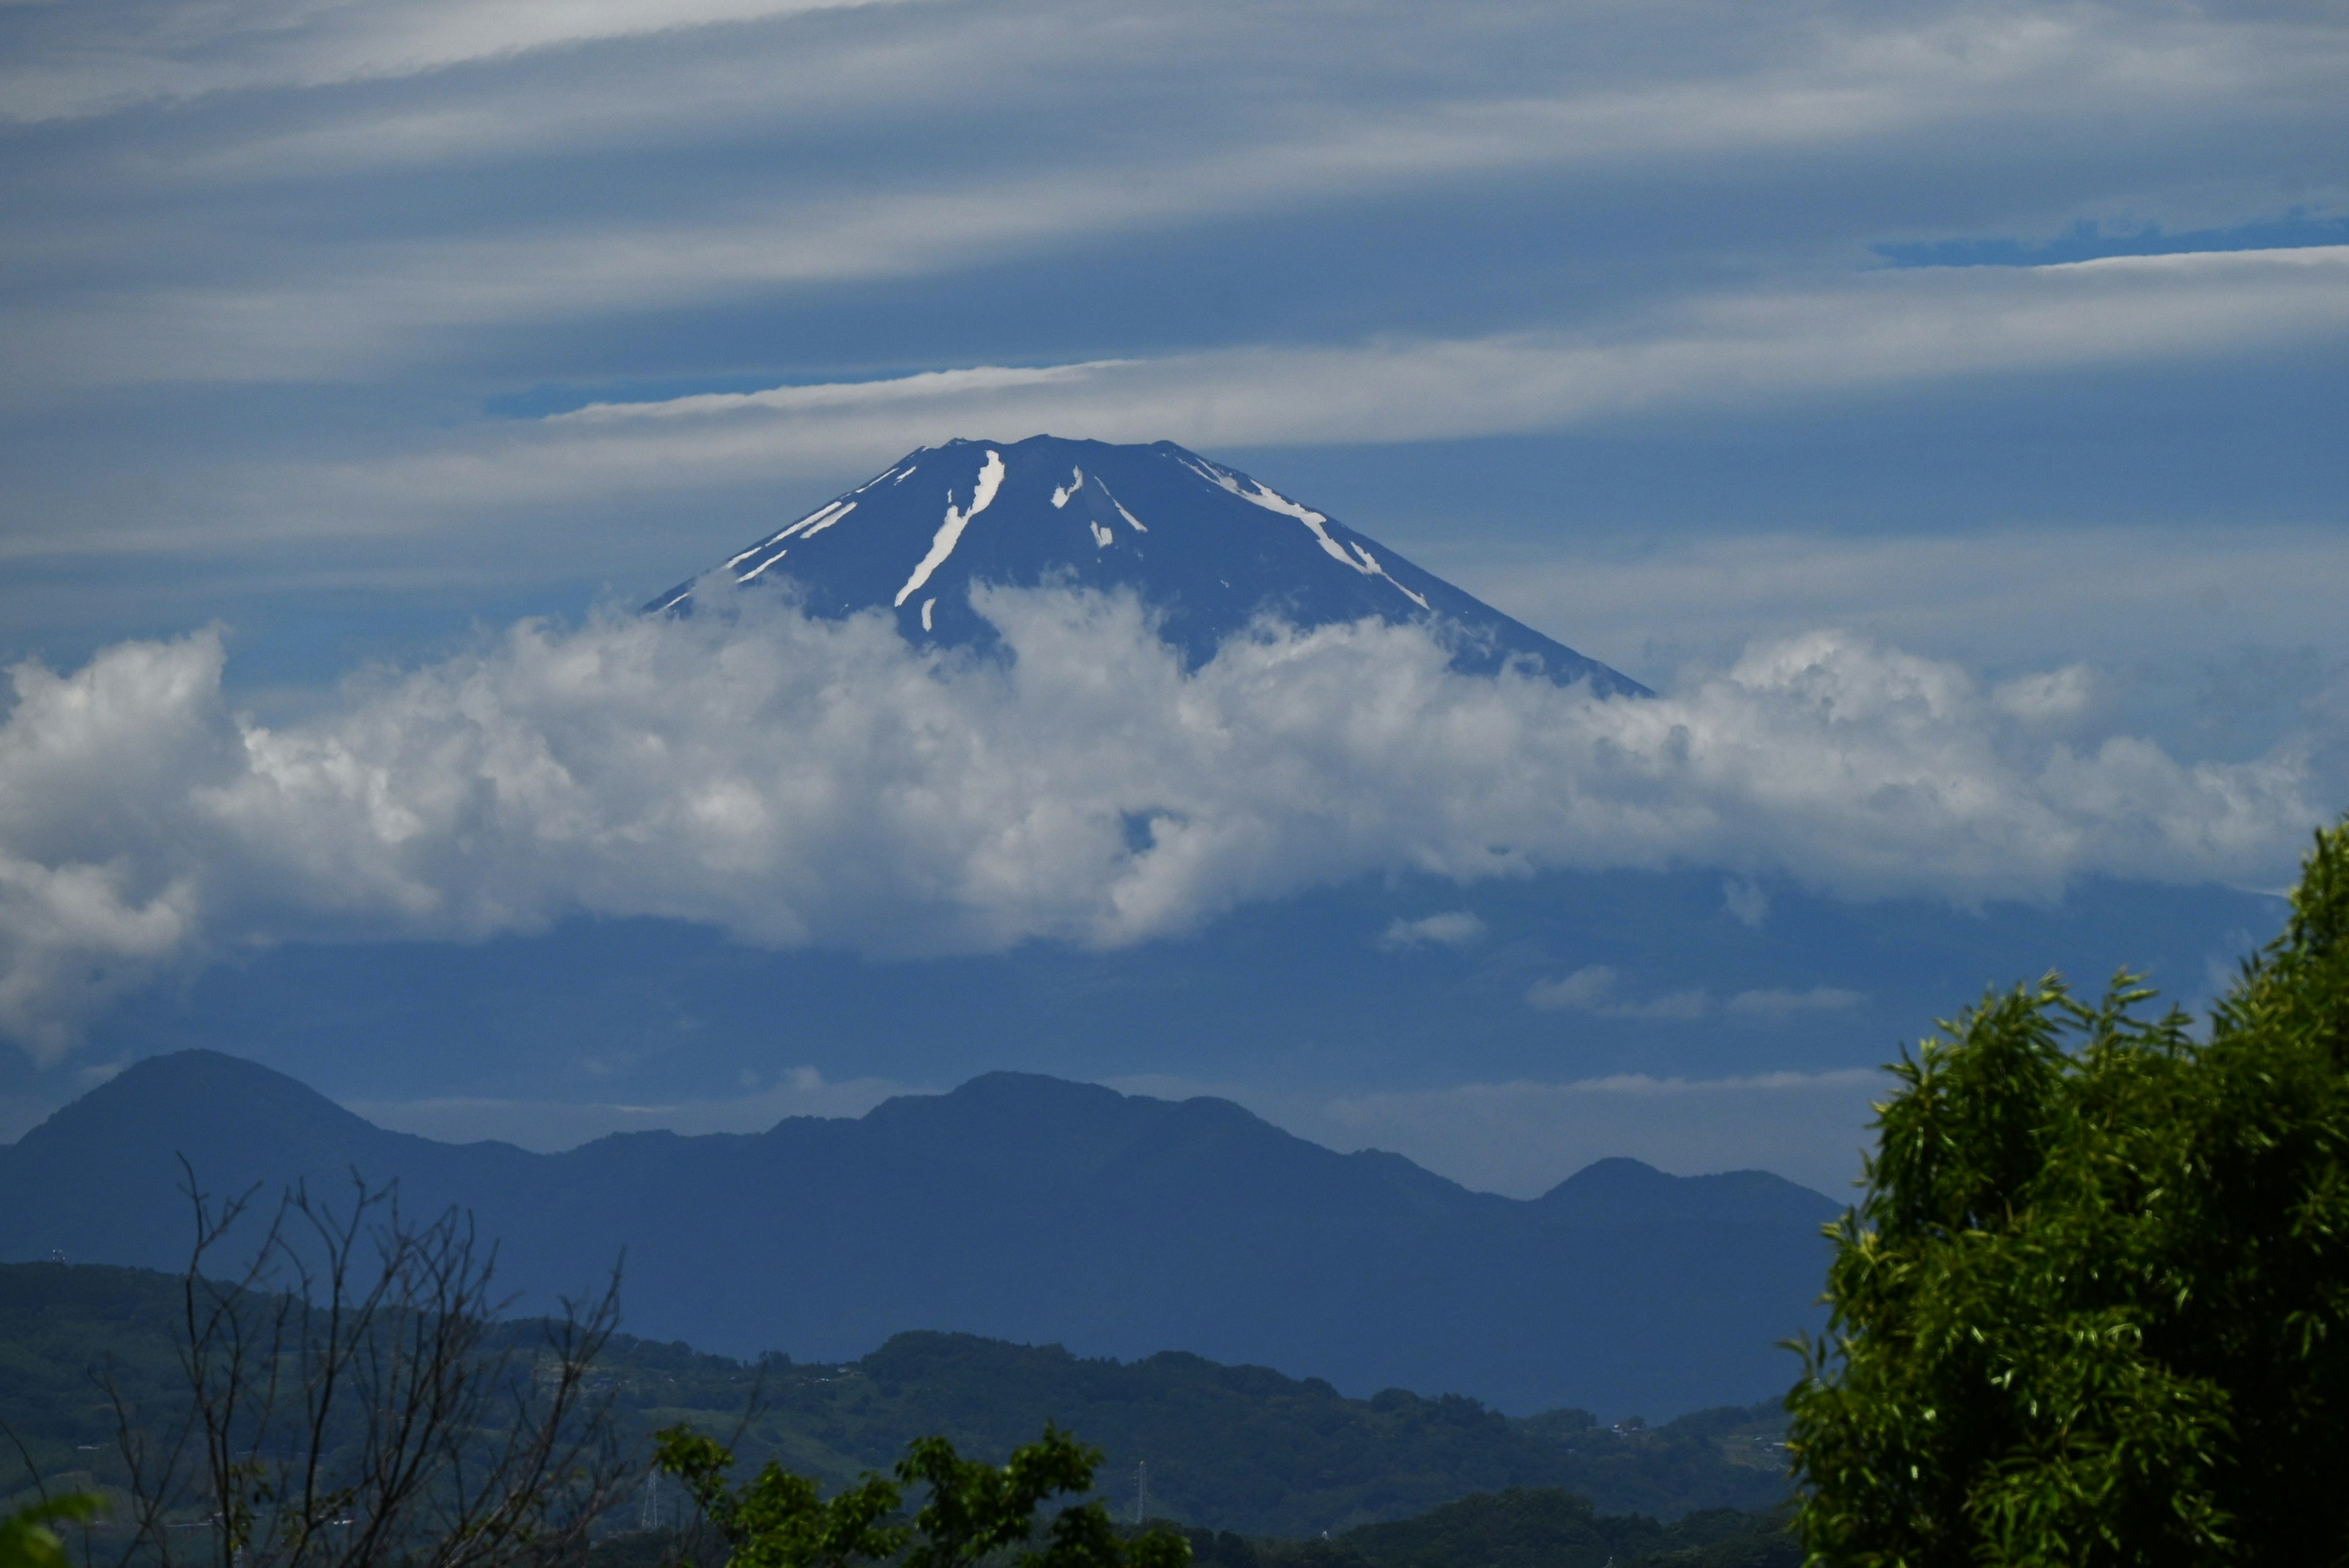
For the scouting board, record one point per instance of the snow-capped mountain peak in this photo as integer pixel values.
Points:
(1206, 547)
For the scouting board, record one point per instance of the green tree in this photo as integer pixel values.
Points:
(27, 1542)
(970, 1511)
(2092, 1307)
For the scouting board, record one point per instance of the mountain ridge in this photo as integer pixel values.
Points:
(1018, 1207)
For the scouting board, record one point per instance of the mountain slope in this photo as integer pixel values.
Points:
(103, 1178)
(1021, 1208)
(1206, 547)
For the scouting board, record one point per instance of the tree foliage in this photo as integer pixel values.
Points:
(2092, 1307)
(970, 1511)
(27, 1542)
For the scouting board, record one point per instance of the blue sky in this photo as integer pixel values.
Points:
(2007, 337)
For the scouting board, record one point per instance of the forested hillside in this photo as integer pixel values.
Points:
(1231, 1448)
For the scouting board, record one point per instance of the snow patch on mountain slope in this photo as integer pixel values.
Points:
(949, 534)
(819, 521)
(1128, 517)
(1272, 499)
(814, 523)
(752, 576)
(1370, 564)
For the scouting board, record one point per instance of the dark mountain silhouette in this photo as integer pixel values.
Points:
(1206, 547)
(1023, 1208)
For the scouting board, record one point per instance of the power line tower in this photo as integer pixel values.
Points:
(1142, 1493)
(648, 1512)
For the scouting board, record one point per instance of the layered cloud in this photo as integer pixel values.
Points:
(748, 154)
(795, 780)
(1906, 328)
(1896, 326)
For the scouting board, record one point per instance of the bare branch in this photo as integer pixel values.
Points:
(353, 1400)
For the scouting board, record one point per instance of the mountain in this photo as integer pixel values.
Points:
(1206, 547)
(1021, 1208)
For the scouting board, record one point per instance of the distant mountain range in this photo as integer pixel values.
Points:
(1023, 1208)
(1206, 547)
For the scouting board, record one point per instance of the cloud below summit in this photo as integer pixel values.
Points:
(797, 781)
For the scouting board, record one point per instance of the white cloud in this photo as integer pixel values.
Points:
(794, 780)
(1592, 989)
(1586, 989)
(94, 891)
(1452, 928)
(2052, 697)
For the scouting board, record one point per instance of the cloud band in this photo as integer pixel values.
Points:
(799, 780)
